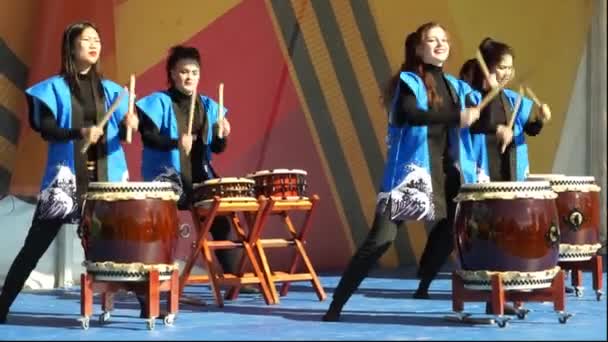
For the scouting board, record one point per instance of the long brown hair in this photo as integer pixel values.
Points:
(414, 63)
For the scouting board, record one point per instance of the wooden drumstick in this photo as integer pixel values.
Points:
(533, 96)
(191, 112)
(491, 95)
(220, 111)
(516, 107)
(484, 67)
(105, 119)
(512, 120)
(129, 136)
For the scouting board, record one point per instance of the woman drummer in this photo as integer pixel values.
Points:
(67, 109)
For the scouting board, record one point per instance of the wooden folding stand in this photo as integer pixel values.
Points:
(577, 267)
(297, 239)
(203, 215)
(498, 296)
(150, 289)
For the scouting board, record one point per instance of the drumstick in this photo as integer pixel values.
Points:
(486, 100)
(512, 120)
(220, 109)
(131, 105)
(517, 105)
(533, 96)
(105, 119)
(191, 112)
(484, 67)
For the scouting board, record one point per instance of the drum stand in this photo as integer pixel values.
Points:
(297, 240)
(498, 296)
(203, 217)
(577, 267)
(150, 288)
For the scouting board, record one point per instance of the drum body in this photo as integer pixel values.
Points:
(129, 222)
(507, 226)
(280, 183)
(578, 207)
(236, 188)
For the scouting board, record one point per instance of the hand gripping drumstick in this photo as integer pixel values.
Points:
(220, 115)
(105, 119)
(129, 136)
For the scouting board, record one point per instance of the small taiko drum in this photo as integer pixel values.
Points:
(507, 227)
(578, 207)
(126, 224)
(229, 188)
(280, 183)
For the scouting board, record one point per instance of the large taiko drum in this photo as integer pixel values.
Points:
(507, 227)
(578, 207)
(126, 225)
(228, 188)
(280, 183)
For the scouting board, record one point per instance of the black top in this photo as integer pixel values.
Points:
(438, 119)
(501, 165)
(50, 130)
(195, 168)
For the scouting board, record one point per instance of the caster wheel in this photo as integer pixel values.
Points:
(104, 317)
(598, 295)
(563, 318)
(502, 322)
(522, 313)
(84, 323)
(150, 323)
(578, 292)
(169, 319)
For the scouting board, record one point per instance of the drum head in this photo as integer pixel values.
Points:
(225, 180)
(111, 191)
(505, 190)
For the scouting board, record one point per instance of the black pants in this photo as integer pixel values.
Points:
(439, 246)
(39, 238)
(379, 239)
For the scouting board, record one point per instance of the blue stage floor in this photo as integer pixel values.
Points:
(381, 310)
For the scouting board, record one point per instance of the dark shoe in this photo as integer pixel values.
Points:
(569, 289)
(333, 313)
(3, 315)
(421, 294)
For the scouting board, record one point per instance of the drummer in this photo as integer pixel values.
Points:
(503, 152)
(170, 152)
(66, 110)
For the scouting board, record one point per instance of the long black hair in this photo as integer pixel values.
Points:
(69, 69)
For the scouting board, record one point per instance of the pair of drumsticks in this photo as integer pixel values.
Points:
(131, 110)
(113, 107)
(496, 90)
(219, 111)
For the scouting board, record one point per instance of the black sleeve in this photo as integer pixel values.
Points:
(151, 137)
(122, 131)
(408, 112)
(533, 126)
(50, 131)
(218, 145)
